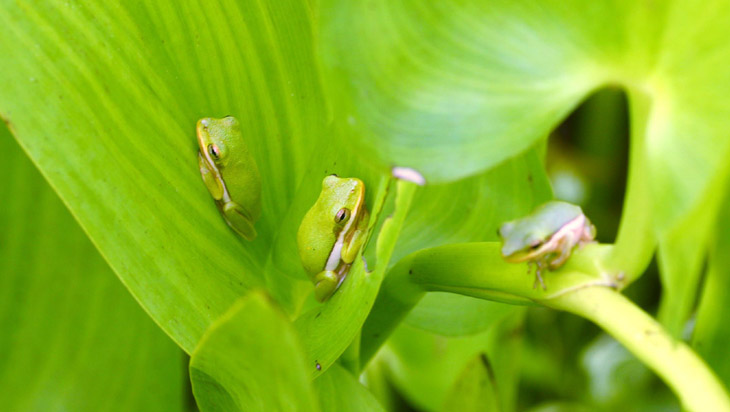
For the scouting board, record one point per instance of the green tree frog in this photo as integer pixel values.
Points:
(546, 237)
(230, 173)
(332, 232)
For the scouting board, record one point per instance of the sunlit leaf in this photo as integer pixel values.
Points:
(105, 96)
(251, 360)
(454, 88)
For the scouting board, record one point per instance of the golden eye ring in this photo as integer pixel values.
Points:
(214, 152)
(342, 215)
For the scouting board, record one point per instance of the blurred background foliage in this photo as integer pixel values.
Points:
(103, 99)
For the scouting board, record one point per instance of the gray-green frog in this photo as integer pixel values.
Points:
(546, 237)
(230, 173)
(332, 232)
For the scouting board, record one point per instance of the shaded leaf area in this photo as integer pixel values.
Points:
(71, 336)
(427, 368)
(340, 391)
(711, 337)
(251, 360)
(474, 389)
(121, 86)
(455, 88)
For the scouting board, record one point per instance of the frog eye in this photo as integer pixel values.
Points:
(215, 153)
(342, 215)
(535, 244)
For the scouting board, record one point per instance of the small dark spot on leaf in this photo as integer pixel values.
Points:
(485, 360)
(318, 366)
(529, 177)
(410, 271)
(319, 313)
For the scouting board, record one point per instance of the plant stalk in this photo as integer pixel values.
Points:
(681, 368)
(583, 286)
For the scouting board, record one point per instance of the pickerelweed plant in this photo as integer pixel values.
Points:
(103, 97)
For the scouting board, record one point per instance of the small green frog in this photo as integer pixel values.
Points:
(546, 237)
(230, 173)
(332, 232)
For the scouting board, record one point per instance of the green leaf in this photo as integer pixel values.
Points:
(454, 88)
(340, 391)
(251, 360)
(449, 314)
(472, 83)
(682, 251)
(711, 336)
(327, 330)
(71, 337)
(104, 98)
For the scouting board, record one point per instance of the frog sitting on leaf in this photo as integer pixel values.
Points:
(230, 173)
(546, 237)
(332, 232)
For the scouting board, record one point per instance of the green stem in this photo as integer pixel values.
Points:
(583, 286)
(473, 269)
(395, 300)
(635, 242)
(694, 383)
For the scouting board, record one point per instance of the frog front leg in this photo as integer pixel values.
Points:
(325, 284)
(349, 251)
(565, 247)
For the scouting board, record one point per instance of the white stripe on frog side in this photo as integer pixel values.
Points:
(336, 255)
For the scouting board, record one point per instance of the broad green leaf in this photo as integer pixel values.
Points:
(71, 337)
(340, 391)
(104, 97)
(454, 88)
(251, 360)
(711, 337)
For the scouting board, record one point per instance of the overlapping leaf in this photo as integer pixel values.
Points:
(105, 96)
(71, 337)
(251, 360)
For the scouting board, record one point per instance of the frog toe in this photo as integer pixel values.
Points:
(325, 284)
(239, 221)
